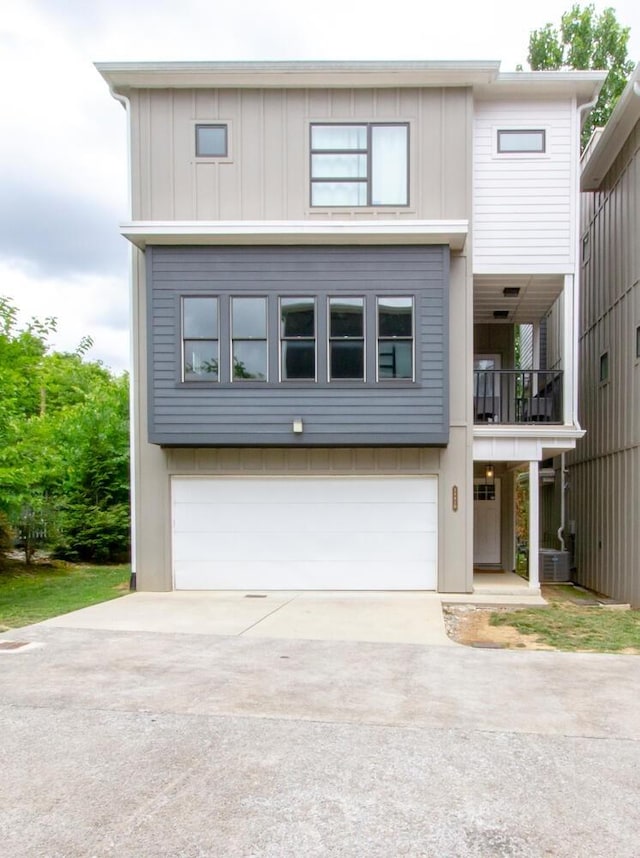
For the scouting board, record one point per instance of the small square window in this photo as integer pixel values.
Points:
(604, 366)
(517, 140)
(211, 141)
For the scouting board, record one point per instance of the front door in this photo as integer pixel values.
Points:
(486, 522)
(486, 393)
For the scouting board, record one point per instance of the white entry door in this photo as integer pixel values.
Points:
(486, 522)
(305, 533)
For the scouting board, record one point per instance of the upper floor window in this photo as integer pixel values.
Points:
(395, 338)
(346, 339)
(212, 141)
(522, 140)
(363, 164)
(200, 339)
(297, 339)
(249, 339)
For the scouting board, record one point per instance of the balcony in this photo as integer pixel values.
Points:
(517, 396)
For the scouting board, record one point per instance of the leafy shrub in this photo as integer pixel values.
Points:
(95, 534)
(6, 537)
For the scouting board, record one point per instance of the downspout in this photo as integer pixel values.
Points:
(582, 110)
(126, 103)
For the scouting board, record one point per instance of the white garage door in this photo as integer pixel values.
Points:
(306, 533)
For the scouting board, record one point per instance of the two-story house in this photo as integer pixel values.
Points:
(334, 267)
(603, 494)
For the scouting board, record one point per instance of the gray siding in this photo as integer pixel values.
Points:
(342, 413)
(604, 496)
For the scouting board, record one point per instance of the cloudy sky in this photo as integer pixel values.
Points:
(62, 149)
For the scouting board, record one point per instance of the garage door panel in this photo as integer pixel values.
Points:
(313, 547)
(317, 576)
(302, 518)
(304, 533)
(311, 490)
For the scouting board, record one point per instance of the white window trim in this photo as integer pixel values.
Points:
(212, 159)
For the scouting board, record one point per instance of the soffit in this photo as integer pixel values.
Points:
(537, 295)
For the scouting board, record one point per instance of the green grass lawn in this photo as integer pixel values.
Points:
(572, 627)
(31, 594)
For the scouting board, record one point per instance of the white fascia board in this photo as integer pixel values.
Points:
(584, 86)
(451, 232)
(522, 443)
(124, 76)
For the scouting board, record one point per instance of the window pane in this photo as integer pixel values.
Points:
(298, 359)
(199, 318)
(249, 360)
(297, 317)
(347, 359)
(338, 193)
(521, 141)
(249, 318)
(347, 317)
(211, 141)
(332, 137)
(200, 360)
(395, 359)
(395, 317)
(340, 166)
(389, 184)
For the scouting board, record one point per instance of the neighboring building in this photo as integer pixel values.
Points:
(330, 261)
(603, 498)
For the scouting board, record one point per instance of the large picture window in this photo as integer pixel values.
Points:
(320, 339)
(200, 339)
(359, 164)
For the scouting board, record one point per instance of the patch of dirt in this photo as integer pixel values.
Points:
(468, 625)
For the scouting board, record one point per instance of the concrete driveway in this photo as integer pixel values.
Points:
(131, 743)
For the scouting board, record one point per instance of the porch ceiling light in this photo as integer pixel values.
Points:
(489, 471)
(500, 314)
(511, 291)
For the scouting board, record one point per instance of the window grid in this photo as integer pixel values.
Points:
(249, 352)
(337, 353)
(365, 181)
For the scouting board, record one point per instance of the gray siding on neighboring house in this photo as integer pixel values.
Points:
(604, 496)
(335, 413)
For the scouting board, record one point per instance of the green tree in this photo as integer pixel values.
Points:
(586, 40)
(64, 448)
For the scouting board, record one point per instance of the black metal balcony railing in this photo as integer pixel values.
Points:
(517, 396)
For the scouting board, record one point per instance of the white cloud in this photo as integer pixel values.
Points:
(62, 150)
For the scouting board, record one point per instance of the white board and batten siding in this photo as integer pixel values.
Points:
(304, 533)
(524, 204)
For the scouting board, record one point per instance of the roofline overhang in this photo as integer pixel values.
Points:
(124, 77)
(605, 143)
(143, 233)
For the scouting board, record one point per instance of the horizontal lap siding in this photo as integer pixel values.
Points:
(522, 209)
(336, 413)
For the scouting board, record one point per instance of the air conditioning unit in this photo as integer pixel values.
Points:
(554, 566)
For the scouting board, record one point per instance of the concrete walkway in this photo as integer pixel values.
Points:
(140, 744)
